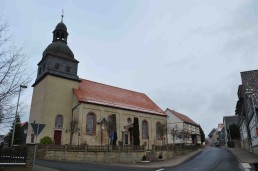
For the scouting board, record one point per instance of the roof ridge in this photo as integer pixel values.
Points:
(113, 86)
(183, 115)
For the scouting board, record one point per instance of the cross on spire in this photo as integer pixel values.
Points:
(62, 15)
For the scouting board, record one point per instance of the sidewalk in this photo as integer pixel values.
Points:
(243, 155)
(156, 164)
(168, 162)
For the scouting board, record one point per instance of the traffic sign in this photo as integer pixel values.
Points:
(37, 128)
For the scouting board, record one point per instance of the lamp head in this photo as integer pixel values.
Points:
(23, 86)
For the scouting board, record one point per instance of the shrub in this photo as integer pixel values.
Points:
(46, 140)
(144, 158)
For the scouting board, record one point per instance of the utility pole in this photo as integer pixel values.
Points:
(16, 114)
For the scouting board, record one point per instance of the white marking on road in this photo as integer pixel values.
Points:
(160, 169)
(246, 165)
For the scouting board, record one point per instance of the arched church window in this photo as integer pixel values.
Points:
(145, 129)
(158, 131)
(129, 120)
(57, 35)
(59, 121)
(91, 123)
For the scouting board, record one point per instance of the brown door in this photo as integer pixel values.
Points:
(57, 137)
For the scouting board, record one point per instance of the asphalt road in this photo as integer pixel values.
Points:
(210, 159)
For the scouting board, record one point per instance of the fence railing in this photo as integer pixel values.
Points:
(13, 156)
(108, 148)
(86, 148)
(176, 147)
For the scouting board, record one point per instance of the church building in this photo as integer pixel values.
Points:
(79, 111)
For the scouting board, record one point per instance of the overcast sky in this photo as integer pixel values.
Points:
(184, 54)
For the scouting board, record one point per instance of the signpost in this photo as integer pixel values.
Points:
(37, 128)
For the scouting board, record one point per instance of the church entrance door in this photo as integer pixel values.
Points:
(57, 137)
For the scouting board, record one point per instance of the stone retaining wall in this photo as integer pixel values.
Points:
(103, 157)
(108, 157)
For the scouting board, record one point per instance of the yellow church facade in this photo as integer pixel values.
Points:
(101, 114)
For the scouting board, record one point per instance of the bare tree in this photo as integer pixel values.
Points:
(73, 129)
(12, 71)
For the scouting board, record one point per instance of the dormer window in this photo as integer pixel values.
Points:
(68, 69)
(57, 66)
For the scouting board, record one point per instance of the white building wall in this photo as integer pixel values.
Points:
(252, 127)
(175, 127)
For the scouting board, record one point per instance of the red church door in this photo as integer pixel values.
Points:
(57, 137)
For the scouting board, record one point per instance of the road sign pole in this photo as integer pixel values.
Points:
(35, 147)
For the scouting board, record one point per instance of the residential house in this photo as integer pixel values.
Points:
(227, 121)
(246, 110)
(2, 138)
(221, 134)
(24, 130)
(181, 129)
(213, 137)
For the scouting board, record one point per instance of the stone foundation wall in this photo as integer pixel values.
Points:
(109, 157)
(103, 157)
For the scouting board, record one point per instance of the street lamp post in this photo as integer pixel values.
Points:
(16, 114)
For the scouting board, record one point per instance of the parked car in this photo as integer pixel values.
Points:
(217, 144)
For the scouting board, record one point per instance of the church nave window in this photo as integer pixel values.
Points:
(158, 131)
(59, 121)
(145, 131)
(91, 123)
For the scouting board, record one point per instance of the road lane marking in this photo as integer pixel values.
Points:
(246, 165)
(160, 169)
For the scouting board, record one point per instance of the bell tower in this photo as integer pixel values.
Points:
(53, 98)
(58, 59)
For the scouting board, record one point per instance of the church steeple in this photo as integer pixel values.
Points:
(58, 59)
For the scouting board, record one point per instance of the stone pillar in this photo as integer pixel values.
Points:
(30, 154)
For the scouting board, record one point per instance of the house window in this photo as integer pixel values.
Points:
(91, 123)
(59, 121)
(145, 130)
(57, 66)
(158, 131)
(68, 69)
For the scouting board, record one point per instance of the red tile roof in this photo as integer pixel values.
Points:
(183, 117)
(98, 93)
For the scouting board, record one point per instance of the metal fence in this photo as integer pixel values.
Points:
(93, 148)
(15, 156)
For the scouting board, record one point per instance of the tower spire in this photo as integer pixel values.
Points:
(62, 16)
